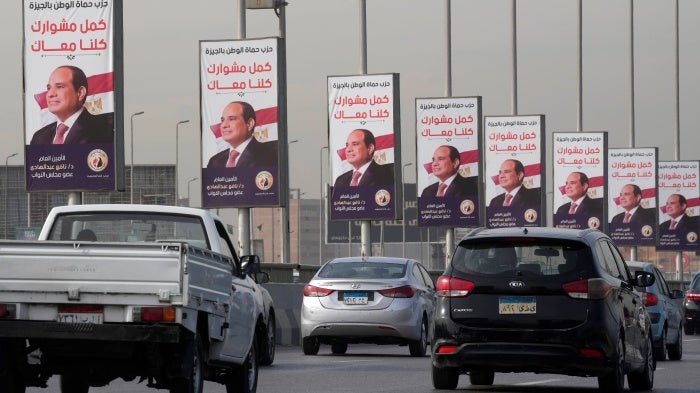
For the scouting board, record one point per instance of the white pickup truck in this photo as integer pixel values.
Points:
(130, 291)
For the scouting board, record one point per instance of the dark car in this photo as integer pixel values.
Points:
(542, 300)
(665, 308)
(691, 306)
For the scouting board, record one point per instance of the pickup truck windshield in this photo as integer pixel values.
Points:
(129, 227)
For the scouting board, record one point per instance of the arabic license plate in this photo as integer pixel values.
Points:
(355, 298)
(517, 305)
(76, 317)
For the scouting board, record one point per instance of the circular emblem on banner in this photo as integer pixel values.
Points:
(692, 237)
(530, 215)
(594, 222)
(97, 160)
(466, 207)
(264, 180)
(647, 230)
(382, 197)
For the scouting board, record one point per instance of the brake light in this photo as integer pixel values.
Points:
(447, 286)
(80, 308)
(650, 299)
(446, 349)
(4, 312)
(405, 291)
(314, 291)
(693, 296)
(590, 289)
(154, 314)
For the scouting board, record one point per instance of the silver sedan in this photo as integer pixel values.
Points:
(380, 300)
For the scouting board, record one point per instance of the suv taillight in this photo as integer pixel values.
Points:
(693, 296)
(314, 291)
(447, 286)
(590, 289)
(405, 291)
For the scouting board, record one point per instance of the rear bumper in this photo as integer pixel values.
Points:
(516, 357)
(157, 333)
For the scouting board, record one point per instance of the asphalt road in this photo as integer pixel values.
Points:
(389, 369)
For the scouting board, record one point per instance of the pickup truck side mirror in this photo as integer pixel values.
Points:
(250, 264)
(261, 277)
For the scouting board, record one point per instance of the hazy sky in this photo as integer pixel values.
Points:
(408, 37)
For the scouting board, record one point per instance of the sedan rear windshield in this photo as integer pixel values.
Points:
(529, 256)
(362, 270)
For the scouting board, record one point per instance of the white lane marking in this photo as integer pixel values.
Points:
(538, 382)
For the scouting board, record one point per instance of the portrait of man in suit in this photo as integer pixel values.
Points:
(237, 125)
(630, 199)
(676, 205)
(510, 177)
(445, 166)
(576, 189)
(359, 152)
(66, 92)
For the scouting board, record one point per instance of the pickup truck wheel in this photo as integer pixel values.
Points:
(12, 361)
(267, 349)
(193, 381)
(244, 378)
(71, 383)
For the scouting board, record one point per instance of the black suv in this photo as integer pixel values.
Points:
(543, 300)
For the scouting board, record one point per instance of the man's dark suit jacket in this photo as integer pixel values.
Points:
(640, 217)
(460, 186)
(587, 206)
(255, 154)
(88, 128)
(375, 175)
(687, 223)
(524, 197)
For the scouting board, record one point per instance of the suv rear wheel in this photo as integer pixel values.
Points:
(445, 378)
(614, 381)
(675, 350)
(481, 377)
(644, 379)
(661, 351)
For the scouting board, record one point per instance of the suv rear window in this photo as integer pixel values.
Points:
(528, 256)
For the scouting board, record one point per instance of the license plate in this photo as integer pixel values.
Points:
(517, 305)
(355, 298)
(75, 317)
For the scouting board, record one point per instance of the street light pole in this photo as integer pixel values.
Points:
(131, 184)
(403, 208)
(285, 218)
(320, 209)
(188, 190)
(177, 151)
(5, 188)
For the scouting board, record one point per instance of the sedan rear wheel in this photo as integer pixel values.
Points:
(445, 378)
(418, 347)
(339, 348)
(614, 381)
(310, 345)
(675, 350)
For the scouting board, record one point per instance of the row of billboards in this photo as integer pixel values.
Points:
(471, 169)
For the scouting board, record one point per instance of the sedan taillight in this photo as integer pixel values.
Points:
(314, 291)
(693, 296)
(650, 299)
(405, 291)
(447, 286)
(590, 289)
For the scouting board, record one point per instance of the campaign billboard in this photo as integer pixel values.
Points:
(72, 91)
(243, 115)
(514, 158)
(579, 169)
(679, 205)
(364, 138)
(632, 196)
(448, 136)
